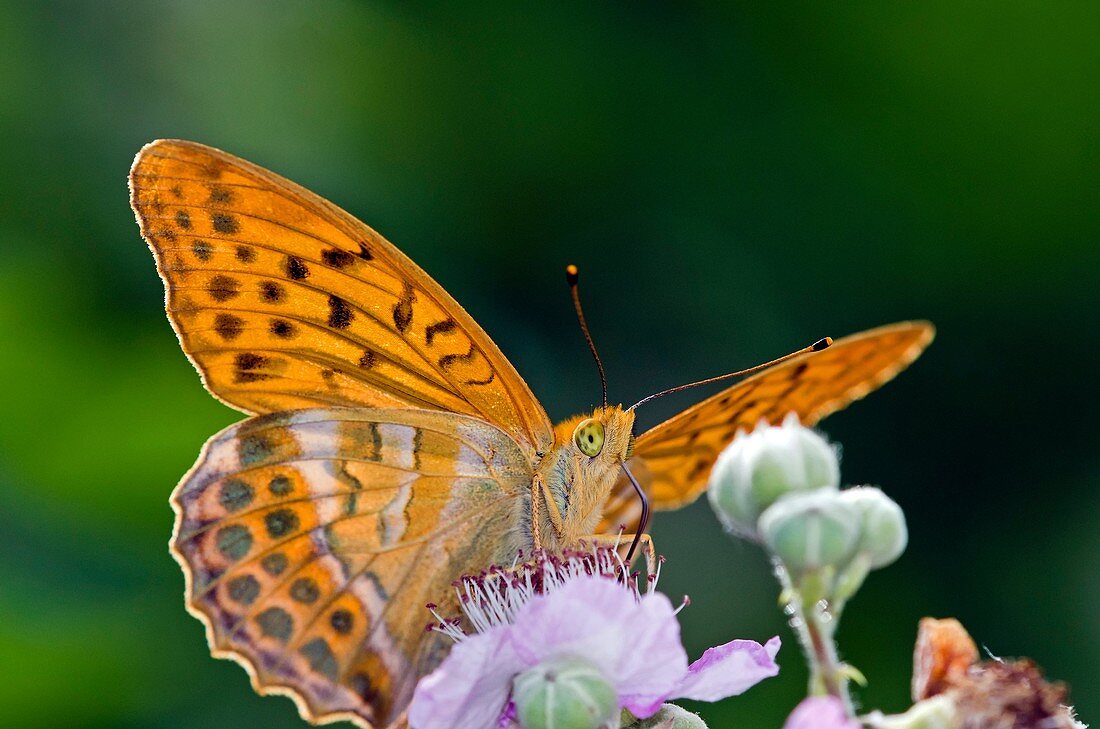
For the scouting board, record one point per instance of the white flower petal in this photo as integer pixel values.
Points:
(470, 689)
(729, 670)
(652, 660)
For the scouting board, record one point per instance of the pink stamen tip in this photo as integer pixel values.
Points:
(431, 606)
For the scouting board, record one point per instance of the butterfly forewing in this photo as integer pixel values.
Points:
(312, 541)
(284, 301)
(674, 458)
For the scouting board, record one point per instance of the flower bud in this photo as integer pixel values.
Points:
(564, 693)
(671, 716)
(759, 467)
(883, 534)
(810, 531)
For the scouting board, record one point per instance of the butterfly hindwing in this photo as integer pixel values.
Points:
(312, 541)
(673, 459)
(284, 301)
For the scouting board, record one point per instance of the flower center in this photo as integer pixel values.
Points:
(493, 598)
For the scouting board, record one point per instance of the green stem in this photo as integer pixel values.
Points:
(815, 628)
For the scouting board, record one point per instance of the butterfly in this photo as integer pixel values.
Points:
(391, 447)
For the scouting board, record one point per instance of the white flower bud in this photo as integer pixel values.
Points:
(883, 532)
(565, 693)
(759, 467)
(810, 531)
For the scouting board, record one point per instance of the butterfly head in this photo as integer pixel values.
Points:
(603, 437)
(588, 456)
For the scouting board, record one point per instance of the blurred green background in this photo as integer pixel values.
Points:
(734, 179)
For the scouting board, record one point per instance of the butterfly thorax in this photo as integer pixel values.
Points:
(572, 484)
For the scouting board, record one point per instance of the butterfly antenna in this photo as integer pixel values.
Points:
(815, 347)
(644, 521)
(572, 277)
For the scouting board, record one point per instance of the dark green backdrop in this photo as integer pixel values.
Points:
(734, 183)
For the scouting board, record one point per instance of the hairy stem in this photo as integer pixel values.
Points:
(815, 627)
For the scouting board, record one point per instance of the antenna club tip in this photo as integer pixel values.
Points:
(821, 344)
(572, 275)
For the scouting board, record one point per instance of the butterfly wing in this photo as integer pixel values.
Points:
(673, 459)
(312, 540)
(284, 301)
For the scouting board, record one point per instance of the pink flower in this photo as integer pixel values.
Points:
(579, 607)
(820, 712)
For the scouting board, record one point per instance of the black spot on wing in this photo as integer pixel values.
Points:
(225, 223)
(272, 292)
(223, 288)
(280, 486)
(281, 522)
(320, 657)
(253, 448)
(235, 494)
(283, 329)
(440, 327)
(276, 623)
(403, 310)
(228, 326)
(220, 194)
(244, 589)
(274, 563)
(296, 268)
(246, 364)
(341, 621)
(450, 360)
(305, 590)
(201, 249)
(340, 314)
(234, 541)
(245, 254)
(183, 219)
(337, 258)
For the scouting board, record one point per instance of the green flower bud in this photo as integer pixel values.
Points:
(808, 532)
(758, 468)
(565, 693)
(934, 713)
(882, 525)
(671, 717)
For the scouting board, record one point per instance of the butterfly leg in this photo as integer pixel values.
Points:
(540, 495)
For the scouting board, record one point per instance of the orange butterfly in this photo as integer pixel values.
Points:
(393, 447)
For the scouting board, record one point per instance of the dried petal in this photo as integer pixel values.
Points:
(943, 652)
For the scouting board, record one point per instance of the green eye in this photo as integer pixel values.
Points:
(589, 437)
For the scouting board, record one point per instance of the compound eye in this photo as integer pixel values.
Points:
(589, 437)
